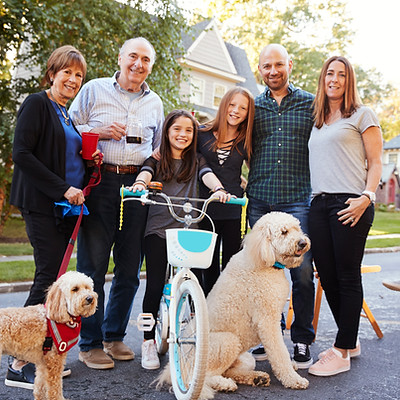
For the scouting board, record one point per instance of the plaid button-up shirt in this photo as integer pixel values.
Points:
(279, 169)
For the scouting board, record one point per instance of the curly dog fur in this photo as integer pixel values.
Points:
(245, 307)
(23, 330)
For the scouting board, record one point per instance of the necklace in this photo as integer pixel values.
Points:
(66, 117)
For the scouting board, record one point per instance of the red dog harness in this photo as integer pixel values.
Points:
(64, 336)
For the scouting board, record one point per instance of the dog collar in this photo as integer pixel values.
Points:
(278, 265)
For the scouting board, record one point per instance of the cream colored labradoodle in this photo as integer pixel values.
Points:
(23, 330)
(245, 307)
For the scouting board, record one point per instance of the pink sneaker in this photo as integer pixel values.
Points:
(352, 352)
(333, 363)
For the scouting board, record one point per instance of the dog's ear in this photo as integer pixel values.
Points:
(56, 304)
(258, 244)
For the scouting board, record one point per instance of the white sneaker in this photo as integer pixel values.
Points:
(150, 358)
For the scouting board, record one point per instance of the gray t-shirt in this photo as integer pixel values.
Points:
(159, 217)
(337, 154)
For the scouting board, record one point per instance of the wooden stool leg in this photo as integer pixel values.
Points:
(317, 306)
(372, 320)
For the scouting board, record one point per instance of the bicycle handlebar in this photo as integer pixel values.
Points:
(242, 201)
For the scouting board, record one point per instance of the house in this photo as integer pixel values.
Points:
(212, 67)
(391, 152)
(389, 188)
(388, 191)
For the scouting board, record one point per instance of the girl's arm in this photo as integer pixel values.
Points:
(215, 186)
(141, 181)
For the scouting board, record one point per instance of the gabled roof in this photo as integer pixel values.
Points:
(241, 62)
(231, 60)
(393, 143)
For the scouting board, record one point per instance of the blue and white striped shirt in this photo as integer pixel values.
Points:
(102, 101)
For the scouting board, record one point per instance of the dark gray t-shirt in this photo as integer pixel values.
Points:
(159, 217)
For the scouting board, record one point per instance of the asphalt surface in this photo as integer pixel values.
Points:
(374, 375)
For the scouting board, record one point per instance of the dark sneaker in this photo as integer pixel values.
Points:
(25, 377)
(302, 356)
(259, 353)
(21, 379)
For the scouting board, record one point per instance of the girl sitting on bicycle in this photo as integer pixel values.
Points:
(179, 168)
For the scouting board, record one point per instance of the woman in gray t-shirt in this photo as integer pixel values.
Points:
(345, 167)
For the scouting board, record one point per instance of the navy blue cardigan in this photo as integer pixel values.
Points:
(39, 156)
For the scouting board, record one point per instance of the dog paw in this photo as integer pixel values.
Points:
(299, 383)
(262, 380)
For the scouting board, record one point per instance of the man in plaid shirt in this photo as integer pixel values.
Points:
(279, 178)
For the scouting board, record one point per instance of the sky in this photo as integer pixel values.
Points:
(376, 43)
(377, 35)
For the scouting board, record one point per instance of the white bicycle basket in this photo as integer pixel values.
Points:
(190, 247)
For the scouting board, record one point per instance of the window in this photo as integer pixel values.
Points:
(393, 158)
(197, 91)
(219, 91)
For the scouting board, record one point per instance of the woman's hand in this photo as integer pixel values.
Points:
(74, 196)
(355, 210)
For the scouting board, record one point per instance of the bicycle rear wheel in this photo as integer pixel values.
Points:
(188, 353)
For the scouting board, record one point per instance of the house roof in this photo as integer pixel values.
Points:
(393, 143)
(237, 64)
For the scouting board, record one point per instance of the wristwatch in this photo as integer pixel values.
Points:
(370, 195)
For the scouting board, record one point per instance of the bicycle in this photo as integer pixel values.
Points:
(182, 321)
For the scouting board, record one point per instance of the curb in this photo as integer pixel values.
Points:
(25, 286)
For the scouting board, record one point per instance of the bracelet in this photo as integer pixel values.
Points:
(217, 189)
(365, 194)
(141, 181)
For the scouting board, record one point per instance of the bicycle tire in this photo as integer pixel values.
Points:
(162, 328)
(188, 353)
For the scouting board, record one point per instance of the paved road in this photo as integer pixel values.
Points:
(375, 375)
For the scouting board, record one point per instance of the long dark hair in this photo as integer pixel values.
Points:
(220, 124)
(189, 159)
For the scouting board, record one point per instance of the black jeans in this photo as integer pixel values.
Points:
(155, 248)
(49, 240)
(338, 252)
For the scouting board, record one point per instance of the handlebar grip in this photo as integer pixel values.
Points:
(242, 201)
(127, 193)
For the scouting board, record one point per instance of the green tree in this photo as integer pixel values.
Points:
(389, 117)
(310, 30)
(97, 28)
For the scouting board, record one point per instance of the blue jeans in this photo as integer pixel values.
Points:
(302, 277)
(99, 232)
(338, 251)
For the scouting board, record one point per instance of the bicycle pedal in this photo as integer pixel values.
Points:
(145, 322)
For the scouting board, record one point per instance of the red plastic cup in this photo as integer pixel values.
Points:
(89, 144)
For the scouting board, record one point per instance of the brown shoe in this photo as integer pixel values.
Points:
(96, 359)
(118, 351)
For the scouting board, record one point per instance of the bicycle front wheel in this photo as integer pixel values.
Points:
(188, 353)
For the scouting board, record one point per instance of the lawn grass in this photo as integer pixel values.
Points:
(13, 271)
(385, 223)
(21, 271)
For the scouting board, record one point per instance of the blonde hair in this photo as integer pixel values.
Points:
(351, 99)
(220, 124)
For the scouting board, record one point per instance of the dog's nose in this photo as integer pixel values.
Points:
(89, 299)
(301, 244)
